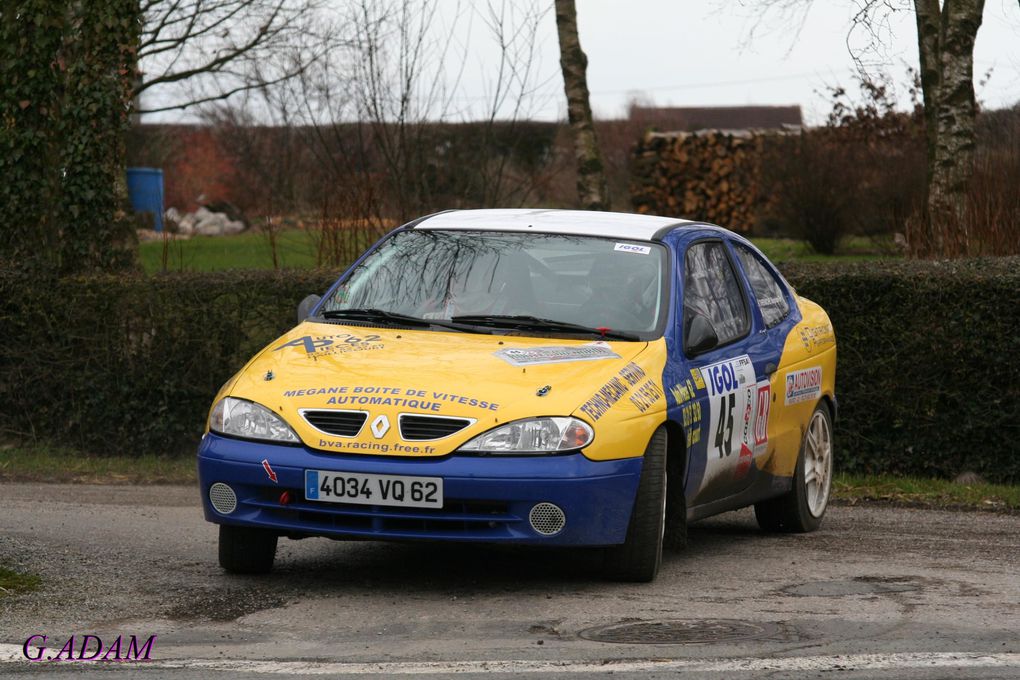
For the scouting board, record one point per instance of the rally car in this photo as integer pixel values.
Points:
(543, 377)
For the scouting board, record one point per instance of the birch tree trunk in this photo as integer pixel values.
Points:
(592, 190)
(946, 49)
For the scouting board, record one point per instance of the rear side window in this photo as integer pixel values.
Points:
(711, 289)
(768, 291)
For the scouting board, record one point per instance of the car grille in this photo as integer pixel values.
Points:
(335, 422)
(425, 428)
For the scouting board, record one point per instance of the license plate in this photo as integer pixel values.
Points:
(393, 490)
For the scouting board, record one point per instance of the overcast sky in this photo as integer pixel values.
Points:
(698, 53)
(701, 53)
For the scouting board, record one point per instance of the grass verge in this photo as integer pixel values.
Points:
(927, 493)
(45, 464)
(13, 582)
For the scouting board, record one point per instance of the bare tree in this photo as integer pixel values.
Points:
(592, 190)
(199, 51)
(380, 133)
(387, 106)
(946, 33)
(945, 41)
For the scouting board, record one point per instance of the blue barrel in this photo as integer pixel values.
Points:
(145, 189)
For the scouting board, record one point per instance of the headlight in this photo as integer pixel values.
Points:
(533, 435)
(247, 419)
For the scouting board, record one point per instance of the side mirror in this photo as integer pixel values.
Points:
(305, 307)
(701, 335)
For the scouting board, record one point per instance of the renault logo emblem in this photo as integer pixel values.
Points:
(380, 426)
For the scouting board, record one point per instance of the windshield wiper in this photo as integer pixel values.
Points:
(525, 322)
(381, 316)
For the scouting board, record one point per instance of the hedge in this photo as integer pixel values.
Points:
(928, 373)
(928, 369)
(126, 365)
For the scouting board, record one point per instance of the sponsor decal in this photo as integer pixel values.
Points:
(698, 380)
(749, 410)
(646, 395)
(814, 337)
(613, 391)
(375, 395)
(744, 461)
(269, 470)
(683, 392)
(632, 248)
(733, 394)
(804, 385)
(340, 343)
(728, 376)
(691, 414)
(531, 356)
(761, 420)
(377, 447)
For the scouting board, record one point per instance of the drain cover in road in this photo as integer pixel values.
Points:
(677, 631)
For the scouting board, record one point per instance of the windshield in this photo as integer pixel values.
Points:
(443, 275)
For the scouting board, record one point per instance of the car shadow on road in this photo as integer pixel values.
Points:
(325, 564)
(320, 567)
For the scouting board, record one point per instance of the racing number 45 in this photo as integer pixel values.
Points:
(724, 431)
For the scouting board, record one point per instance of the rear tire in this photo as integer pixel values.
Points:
(801, 509)
(638, 558)
(247, 550)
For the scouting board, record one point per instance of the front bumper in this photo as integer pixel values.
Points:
(487, 499)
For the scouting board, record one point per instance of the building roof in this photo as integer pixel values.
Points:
(717, 117)
(582, 222)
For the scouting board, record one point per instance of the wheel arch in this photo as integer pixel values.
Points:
(677, 459)
(830, 403)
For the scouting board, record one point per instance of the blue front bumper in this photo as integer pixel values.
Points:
(486, 498)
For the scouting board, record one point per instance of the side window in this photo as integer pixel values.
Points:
(768, 291)
(712, 290)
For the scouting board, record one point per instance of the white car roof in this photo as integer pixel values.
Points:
(583, 222)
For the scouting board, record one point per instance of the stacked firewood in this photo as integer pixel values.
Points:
(711, 175)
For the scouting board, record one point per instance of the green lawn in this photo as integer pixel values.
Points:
(853, 249)
(296, 248)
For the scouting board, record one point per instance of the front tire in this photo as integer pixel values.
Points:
(247, 550)
(638, 558)
(801, 510)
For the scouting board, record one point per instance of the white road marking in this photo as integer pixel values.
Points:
(867, 662)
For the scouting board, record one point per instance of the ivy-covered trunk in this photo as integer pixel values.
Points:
(67, 73)
(31, 89)
(592, 189)
(100, 49)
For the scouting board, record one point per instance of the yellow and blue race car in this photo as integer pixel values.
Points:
(544, 377)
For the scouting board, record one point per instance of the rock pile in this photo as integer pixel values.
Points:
(213, 220)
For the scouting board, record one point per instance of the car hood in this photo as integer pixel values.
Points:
(484, 380)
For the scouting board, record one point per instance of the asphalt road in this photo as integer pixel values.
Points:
(877, 593)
